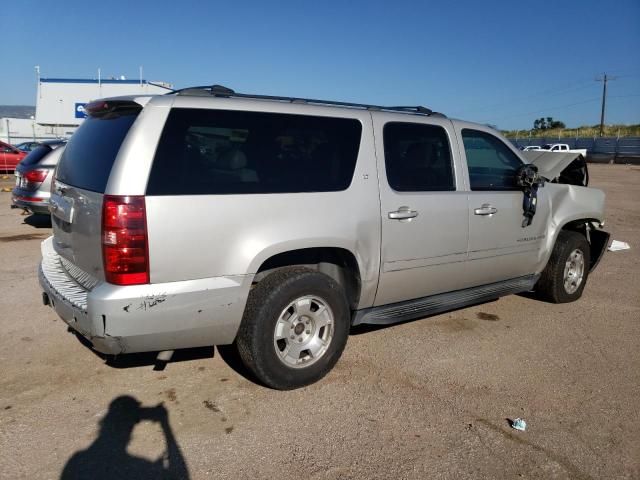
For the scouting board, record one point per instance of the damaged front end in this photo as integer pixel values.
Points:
(572, 206)
(560, 167)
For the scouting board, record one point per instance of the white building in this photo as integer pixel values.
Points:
(60, 105)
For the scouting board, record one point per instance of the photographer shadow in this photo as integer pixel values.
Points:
(107, 456)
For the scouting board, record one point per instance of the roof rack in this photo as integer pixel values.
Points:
(224, 92)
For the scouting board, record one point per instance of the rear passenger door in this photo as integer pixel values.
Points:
(499, 247)
(424, 213)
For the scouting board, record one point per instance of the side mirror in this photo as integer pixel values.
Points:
(528, 179)
(527, 176)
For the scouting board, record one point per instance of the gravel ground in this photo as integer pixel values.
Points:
(425, 399)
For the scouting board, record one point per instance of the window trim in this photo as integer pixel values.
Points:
(487, 189)
(452, 188)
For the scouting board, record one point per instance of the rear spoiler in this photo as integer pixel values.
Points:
(100, 106)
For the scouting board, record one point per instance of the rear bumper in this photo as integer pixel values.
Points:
(36, 202)
(141, 318)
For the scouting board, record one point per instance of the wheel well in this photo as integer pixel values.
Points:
(338, 263)
(597, 239)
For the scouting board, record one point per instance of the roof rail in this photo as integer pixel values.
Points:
(224, 92)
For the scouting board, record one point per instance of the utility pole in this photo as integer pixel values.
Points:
(604, 79)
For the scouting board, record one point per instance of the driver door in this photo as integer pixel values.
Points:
(499, 247)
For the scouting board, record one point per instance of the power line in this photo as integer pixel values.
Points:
(575, 86)
(604, 79)
(542, 110)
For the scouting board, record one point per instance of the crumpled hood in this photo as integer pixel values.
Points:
(550, 164)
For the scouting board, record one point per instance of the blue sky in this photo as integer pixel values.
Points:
(499, 62)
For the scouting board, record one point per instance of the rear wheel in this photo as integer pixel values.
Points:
(565, 275)
(294, 328)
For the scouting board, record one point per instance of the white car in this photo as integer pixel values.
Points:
(563, 148)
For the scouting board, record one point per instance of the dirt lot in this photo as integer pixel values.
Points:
(426, 399)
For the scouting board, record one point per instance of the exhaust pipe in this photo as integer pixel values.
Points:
(162, 359)
(164, 356)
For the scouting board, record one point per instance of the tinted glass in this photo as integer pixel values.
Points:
(417, 157)
(492, 165)
(225, 152)
(86, 162)
(35, 155)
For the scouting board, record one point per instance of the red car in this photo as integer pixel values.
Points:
(9, 157)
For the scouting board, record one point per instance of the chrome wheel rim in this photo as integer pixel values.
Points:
(304, 331)
(574, 271)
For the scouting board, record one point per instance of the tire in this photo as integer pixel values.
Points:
(294, 328)
(565, 275)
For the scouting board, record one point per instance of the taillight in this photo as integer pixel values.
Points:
(124, 240)
(35, 177)
(96, 107)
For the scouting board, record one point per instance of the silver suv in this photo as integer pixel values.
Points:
(33, 177)
(207, 217)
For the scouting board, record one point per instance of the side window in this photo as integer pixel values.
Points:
(213, 152)
(417, 157)
(492, 165)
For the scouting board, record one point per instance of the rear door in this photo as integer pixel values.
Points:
(424, 208)
(81, 180)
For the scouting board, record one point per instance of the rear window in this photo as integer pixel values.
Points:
(234, 152)
(86, 162)
(35, 155)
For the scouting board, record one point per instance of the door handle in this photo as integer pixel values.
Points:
(403, 213)
(485, 209)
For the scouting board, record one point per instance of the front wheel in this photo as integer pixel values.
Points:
(294, 329)
(565, 275)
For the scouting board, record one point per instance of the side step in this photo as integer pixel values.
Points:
(442, 302)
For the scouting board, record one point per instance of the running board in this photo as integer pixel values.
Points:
(442, 302)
